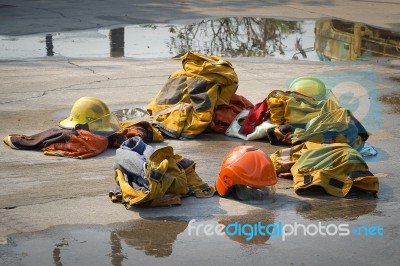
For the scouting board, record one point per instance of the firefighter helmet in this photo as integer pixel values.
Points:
(245, 165)
(309, 86)
(93, 112)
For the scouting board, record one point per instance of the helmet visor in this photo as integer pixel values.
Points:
(105, 125)
(246, 193)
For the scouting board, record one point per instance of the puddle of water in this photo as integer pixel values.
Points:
(324, 39)
(138, 241)
(174, 241)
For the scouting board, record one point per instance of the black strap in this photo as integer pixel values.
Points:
(360, 173)
(308, 179)
(336, 183)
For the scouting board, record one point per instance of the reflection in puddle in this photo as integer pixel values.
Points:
(143, 240)
(153, 237)
(168, 240)
(117, 42)
(57, 252)
(138, 240)
(49, 45)
(253, 217)
(337, 40)
(343, 209)
(324, 39)
(117, 255)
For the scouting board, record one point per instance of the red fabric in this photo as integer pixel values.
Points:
(141, 129)
(224, 114)
(256, 116)
(82, 145)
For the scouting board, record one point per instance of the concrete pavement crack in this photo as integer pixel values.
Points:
(309, 11)
(88, 68)
(11, 208)
(59, 13)
(47, 91)
(53, 11)
(69, 61)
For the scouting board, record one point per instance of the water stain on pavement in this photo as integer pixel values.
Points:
(344, 209)
(393, 100)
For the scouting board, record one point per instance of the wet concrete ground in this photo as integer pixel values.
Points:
(57, 211)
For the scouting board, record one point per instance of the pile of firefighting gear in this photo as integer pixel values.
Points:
(325, 139)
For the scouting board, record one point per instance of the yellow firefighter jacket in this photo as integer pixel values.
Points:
(290, 108)
(336, 168)
(168, 175)
(184, 107)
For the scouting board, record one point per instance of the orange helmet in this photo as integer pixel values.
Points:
(245, 165)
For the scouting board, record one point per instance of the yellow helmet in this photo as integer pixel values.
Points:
(93, 112)
(309, 86)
